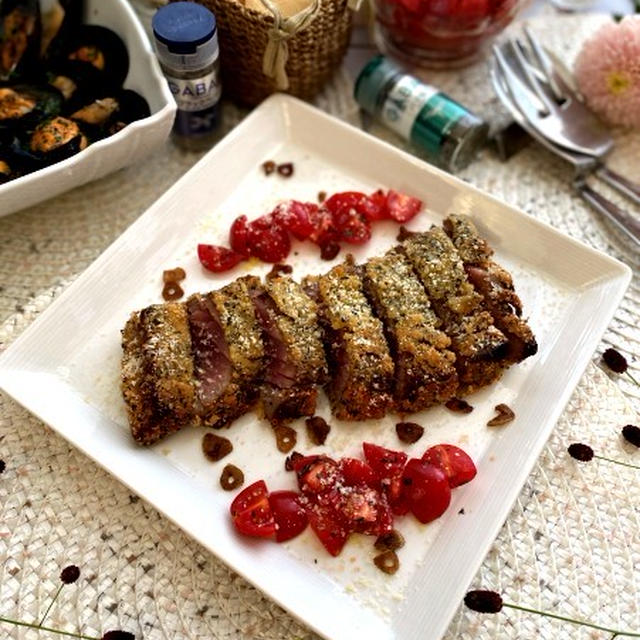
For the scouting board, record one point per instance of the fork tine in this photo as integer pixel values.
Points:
(534, 84)
(563, 75)
(526, 99)
(581, 164)
(544, 63)
(532, 65)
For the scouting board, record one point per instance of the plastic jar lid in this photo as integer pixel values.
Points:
(185, 33)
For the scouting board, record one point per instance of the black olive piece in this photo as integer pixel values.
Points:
(387, 562)
(285, 169)
(231, 478)
(457, 405)
(172, 291)
(216, 447)
(318, 429)
(286, 438)
(504, 415)
(409, 432)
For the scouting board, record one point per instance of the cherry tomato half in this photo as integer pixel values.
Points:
(251, 512)
(345, 200)
(324, 230)
(426, 489)
(388, 466)
(374, 207)
(366, 510)
(317, 474)
(402, 207)
(289, 515)
(352, 226)
(217, 259)
(328, 526)
(296, 218)
(357, 472)
(267, 240)
(239, 236)
(456, 463)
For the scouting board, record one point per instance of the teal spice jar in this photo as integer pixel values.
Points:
(441, 130)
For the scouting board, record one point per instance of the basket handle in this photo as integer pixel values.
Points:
(276, 54)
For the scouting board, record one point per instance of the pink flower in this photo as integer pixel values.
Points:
(608, 72)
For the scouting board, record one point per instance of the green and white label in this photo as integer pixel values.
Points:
(403, 104)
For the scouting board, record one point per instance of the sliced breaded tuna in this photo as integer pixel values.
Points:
(479, 346)
(157, 372)
(495, 284)
(294, 354)
(425, 374)
(360, 365)
(211, 358)
(227, 350)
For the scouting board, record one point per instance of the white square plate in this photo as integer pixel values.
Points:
(65, 369)
(126, 147)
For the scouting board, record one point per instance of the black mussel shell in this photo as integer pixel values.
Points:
(26, 161)
(23, 106)
(13, 164)
(18, 158)
(102, 48)
(132, 106)
(56, 33)
(53, 140)
(20, 31)
(7, 168)
(79, 82)
(109, 114)
(7, 133)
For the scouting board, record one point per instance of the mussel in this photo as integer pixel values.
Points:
(63, 18)
(53, 140)
(20, 31)
(79, 83)
(6, 170)
(107, 115)
(101, 48)
(22, 106)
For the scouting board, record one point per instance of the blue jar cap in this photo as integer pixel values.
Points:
(183, 26)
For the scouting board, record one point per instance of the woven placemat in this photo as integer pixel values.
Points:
(570, 544)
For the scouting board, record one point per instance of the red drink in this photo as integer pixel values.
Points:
(441, 33)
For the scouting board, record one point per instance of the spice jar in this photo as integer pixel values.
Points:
(441, 130)
(186, 41)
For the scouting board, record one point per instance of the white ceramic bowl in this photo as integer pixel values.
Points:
(126, 147)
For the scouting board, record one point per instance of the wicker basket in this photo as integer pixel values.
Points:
(312, 53)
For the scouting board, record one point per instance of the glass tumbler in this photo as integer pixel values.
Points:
(441, 33)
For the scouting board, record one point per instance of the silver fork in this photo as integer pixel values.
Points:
(583, 165)
(540, 86)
